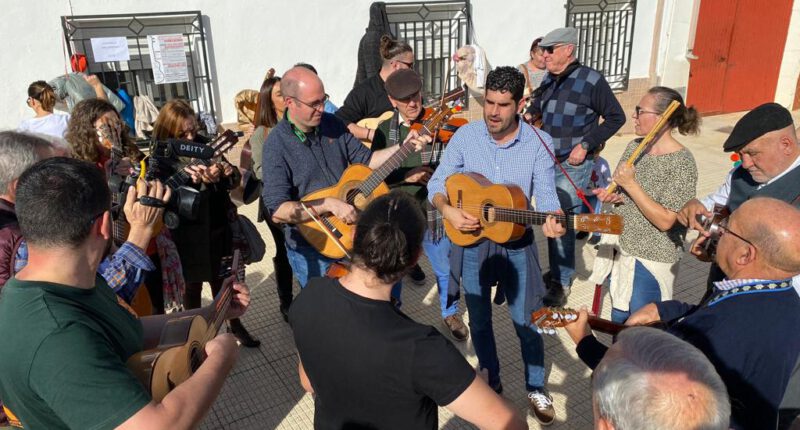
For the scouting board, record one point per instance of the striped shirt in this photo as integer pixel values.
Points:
(521, 161)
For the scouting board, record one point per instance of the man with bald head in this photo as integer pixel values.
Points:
(749, 326)
(766, 142)
(306, 151)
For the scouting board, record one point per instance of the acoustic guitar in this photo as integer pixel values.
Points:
(181, 348)
(358, 186)
(503, 213)
(548, 319)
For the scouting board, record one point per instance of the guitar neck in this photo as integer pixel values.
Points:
(181, 178)
(382, 172)
(223, 300)
(529, 217)
(605, 326)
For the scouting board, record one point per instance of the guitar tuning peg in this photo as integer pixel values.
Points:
(540, 331)
(557, 315)
(551, 332)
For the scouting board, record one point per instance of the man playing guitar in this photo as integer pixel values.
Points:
(306, 151)
(504, 150)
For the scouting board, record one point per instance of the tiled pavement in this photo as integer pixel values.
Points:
(263, 391)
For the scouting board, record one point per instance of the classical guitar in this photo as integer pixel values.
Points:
(548, 319)
(503, 212)
(181, 349)
(358, 186)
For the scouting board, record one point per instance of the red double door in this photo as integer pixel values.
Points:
(739, 48)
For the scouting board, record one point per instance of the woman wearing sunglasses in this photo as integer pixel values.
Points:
(662, 179)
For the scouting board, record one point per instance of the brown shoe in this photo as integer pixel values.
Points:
(542, 406)
(457, 327)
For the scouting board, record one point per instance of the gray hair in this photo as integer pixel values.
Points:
(18, 152)
(628, 387)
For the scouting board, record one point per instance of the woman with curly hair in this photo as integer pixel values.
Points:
(88, 117)
(204, 241)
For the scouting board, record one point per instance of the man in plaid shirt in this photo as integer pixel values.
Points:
(571, 101)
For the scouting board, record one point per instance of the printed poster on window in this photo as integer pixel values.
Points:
(110, 49)
(168, 58)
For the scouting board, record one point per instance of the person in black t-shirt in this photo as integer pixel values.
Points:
(368, 364)
(369, 98)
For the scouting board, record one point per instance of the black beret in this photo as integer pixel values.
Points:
(403, 83)
(756, 123)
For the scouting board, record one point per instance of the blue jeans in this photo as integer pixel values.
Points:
(562, 250)
(521, 302)
(439, 256)
(645, 291)
(307, 263)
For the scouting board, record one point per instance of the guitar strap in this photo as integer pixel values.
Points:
(579, 192)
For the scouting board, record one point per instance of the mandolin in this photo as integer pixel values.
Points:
(358, 186)
(503, 212)
(548, 319)
(181, 348)
(712, 226)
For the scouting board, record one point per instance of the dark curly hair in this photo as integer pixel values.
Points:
(506, 79)
(388, 236)
(82, 135)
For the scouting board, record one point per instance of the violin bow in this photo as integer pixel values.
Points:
(315, 216)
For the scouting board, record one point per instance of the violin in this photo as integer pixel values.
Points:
(338, 269)
(446, 129)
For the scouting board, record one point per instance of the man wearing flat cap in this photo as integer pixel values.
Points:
(403, 88)
(571, 100)
(767, 145)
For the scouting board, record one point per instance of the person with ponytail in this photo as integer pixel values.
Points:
(369, 99)
(650, 193)
(367, 362)
(42, 99)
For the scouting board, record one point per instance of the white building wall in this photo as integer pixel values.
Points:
(790, 66)
(248, 37)
(677, 39)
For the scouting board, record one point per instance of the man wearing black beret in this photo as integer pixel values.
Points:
(767, 144)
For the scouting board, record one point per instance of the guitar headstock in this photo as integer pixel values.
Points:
(599, 223)
(712, 226)
(109, 134)
(224, 142)
(548, 319)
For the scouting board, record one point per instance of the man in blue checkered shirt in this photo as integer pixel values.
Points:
(505, 151)
(571, 100)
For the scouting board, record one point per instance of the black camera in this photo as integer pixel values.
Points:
(165, 164)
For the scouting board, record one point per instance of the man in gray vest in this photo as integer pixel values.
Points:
(767, 144)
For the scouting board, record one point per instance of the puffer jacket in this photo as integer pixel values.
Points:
(10, 238)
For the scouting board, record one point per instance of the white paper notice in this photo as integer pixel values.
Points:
(110, 49)
(168, 58)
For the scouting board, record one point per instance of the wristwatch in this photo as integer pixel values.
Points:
(585, 145)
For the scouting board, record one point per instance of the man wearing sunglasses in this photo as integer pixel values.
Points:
(748, 328)
(571, 100)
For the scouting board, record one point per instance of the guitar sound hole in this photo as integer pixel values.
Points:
(196, 358)
(488, 213)
(356, 198)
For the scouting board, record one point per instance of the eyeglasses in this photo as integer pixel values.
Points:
(638, 111)
(723, 226)
(551, 48)
(317, 105)
(409, 65)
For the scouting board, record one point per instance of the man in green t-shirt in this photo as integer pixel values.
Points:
(403, 88)
(66, 337)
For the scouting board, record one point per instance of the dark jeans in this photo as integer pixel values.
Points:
(283, 270)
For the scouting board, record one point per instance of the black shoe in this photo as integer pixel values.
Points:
(594, 240)
(556, 295)
(499, 295)
(243, 335)
(417, 275)
(581, 235)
